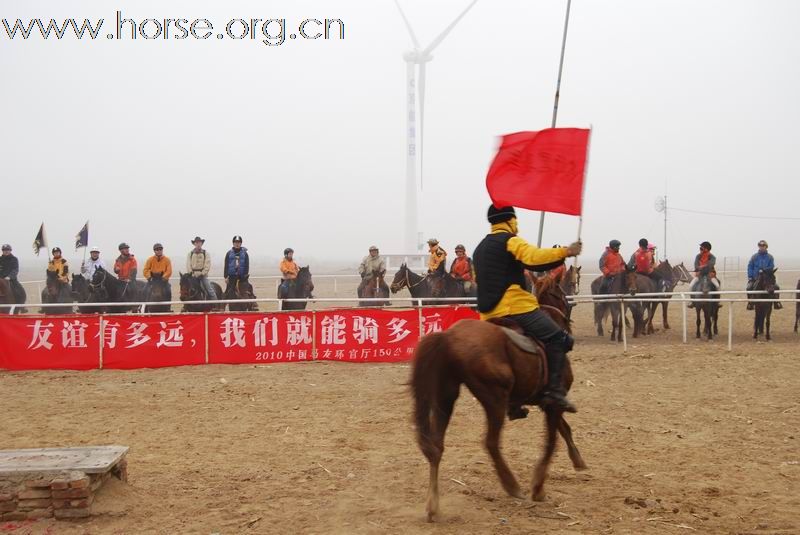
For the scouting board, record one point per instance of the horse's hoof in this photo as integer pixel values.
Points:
(518, 494)
(538, 496)
(431, 516)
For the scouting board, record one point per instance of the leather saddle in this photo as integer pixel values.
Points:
(514, 333)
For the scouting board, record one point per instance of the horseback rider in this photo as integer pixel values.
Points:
(436, 267)
(198, 263)
(125, 266)
(89, 267)
(760, 261)
(372, 264)
(643, 262)
(462, 269)
(9, 270)
(611, 265)
(237, 263)
(704, 264)
(58, 265)
(289, 271)
(500, 261)
(158, 267)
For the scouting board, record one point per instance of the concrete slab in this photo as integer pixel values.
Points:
(90, 459)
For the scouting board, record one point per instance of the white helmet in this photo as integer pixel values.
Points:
(94, 250)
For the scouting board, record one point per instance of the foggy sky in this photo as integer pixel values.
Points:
(303, 145)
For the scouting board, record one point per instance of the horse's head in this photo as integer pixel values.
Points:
(667, 274)
(189, 289)
(571, 280)
(681, 274)
(372, 285)
(80, 287)
(766, 281)
(53, 285)
(243, 288)
(549, 293)
(630, 282)
(400, 280)
(303, 283)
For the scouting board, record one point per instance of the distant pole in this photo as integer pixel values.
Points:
(555, 104)
(665, 228)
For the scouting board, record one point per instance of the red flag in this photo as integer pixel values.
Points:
(540, 170)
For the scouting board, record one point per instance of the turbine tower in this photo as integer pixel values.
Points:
(416, 59)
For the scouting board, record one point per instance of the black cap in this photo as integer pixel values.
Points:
(287, 251)
(643, 243)
(614, 243)
(498, 215)
(6, 247)
(706, 245)
(157, 246)
(56, 249)
(123, 245)
(237, 238)
(460, 247)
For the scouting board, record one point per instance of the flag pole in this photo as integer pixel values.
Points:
(555, 105)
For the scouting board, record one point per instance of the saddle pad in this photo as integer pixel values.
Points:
(521, 341)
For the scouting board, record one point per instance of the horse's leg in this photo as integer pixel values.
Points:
(552, 420)
(755, 321)
(574, 455)
(697, 309)
(664, 320)
(442, 412)
(709, 320)
(598, 318)
(715, 317)
(495, 402)
(769, 315)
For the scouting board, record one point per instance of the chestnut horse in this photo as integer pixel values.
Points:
(480, 355)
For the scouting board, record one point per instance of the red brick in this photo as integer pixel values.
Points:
(16, 515)
(37, 483)
(32, 494)
(41, 513)
(71, 513)
(59, 484)
(71, 494)
(62, 504)
(79, 483)
(6, 497)
(82, 504)
(34, 504)
(7, 507)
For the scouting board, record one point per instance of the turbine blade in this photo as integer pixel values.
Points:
(447, 30)
(408, 25)
(421, 92)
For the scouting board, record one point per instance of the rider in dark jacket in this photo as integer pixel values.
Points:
(9, 270)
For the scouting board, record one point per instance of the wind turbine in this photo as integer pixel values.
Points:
(417, 58)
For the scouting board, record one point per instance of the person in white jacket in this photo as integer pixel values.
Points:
(90, 266)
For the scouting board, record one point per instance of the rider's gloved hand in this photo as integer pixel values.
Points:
(575, 248)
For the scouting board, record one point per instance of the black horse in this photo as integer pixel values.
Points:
(56, 291)
(12, 293)
(157, 290)
(605, 307)
(670, 277)
(429, 288)
(373, 287)
(764, 282)
(709, 309)
(82, 292)
(110, 289)
(240, 288)
(299, 288)
(192, 290)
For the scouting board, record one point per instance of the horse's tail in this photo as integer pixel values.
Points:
(430, 363)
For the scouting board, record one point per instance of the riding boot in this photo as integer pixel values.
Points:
(555, 393)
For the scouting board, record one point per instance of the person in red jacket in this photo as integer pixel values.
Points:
(643, 261)
(611, 265)
(461, 269)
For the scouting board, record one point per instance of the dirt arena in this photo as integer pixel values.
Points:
(679, 439)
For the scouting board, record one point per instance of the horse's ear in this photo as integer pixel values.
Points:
(579, 269)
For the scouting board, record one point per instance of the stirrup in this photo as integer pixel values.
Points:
(517, 412)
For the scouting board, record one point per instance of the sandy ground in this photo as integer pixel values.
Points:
(679, 438)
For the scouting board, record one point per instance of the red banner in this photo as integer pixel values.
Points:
(153, 341)
(131, 341)
(49, 342)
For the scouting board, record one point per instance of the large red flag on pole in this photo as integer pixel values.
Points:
(541, 170)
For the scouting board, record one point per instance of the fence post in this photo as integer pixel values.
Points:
(419, 315)
(102, 338)
(280, 305)
(683, 310)
(335, 288)
(730, 325)
(38, 292)
(622, 327)
(313, 335)
(206, 335)
(11, 311)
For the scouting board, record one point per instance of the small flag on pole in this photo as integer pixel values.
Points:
(40, 241)
(82, 237)
(541, 170)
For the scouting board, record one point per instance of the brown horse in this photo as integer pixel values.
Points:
(430, 286)
(671, 276)
(373, 287)
(606, 307)
(638, 283)
(480, 355)
(7, 296)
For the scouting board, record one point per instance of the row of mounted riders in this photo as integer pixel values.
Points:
(106, 288)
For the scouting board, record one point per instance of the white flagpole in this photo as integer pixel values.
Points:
(555, 104)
